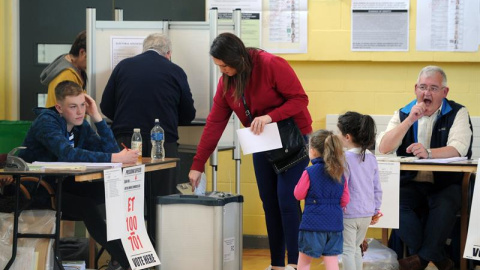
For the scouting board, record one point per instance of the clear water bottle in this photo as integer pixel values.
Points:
(137, 143)
(157, 136)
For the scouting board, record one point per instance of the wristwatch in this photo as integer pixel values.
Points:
(429, 152)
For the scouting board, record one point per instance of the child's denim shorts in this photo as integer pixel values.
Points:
(317, 244)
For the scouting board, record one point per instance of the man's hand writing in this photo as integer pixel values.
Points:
(126, 156)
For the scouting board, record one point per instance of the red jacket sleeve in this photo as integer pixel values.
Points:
(217, 120)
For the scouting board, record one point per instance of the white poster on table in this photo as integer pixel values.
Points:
(114, 187)
(135, 240)
(389, 173)
(472, 247)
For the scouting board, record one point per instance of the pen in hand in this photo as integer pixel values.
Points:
(124, 146)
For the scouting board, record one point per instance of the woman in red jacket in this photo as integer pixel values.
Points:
(272, 93)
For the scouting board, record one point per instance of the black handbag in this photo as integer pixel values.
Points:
(293, 148)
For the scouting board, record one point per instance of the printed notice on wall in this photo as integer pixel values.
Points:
(251, 17)
(472, 247)
(124, 47)
(447, 25)
(380, 25)
(389, 173)
(285, 26)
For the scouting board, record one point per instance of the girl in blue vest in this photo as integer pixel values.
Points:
(357, 133)
(325, 192)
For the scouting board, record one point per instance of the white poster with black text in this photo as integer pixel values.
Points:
(472, 247)
(389, 174)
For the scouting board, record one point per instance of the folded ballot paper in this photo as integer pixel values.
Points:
(186, 188)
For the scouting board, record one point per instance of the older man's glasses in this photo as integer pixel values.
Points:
(432, 88)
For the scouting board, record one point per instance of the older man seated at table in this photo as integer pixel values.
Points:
(431, 126)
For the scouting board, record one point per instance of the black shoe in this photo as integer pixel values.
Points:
(412, 263)
(446, 264)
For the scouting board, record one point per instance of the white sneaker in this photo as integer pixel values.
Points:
(269, 268)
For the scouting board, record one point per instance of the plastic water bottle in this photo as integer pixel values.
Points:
(137, 143)
(157, 136)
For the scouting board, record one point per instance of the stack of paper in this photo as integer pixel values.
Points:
(56, 167)
(394, 158)
(74, 265)
(69, 166)
(441, 160)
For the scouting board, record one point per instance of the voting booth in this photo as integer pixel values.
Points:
(108, 42)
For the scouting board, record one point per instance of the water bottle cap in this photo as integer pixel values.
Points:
(136, 130)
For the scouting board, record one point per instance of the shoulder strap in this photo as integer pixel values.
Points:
(247, 110)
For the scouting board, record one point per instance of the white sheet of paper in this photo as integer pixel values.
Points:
(86, 164)
(389, 173)
(440, 160)
(114, 187)
(472, 247)
(269, 139)
(135, 241)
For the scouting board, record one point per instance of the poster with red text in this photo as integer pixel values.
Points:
(135, 240)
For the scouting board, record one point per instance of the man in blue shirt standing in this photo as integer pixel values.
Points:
(146, 87)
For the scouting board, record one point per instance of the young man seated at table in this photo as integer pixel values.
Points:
(61, 133)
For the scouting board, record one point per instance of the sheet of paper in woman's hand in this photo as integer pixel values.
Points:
(269, 139)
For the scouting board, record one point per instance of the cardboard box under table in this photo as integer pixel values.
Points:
(200, 232)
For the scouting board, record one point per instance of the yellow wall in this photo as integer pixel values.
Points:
(5, 59)
(337, 80)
